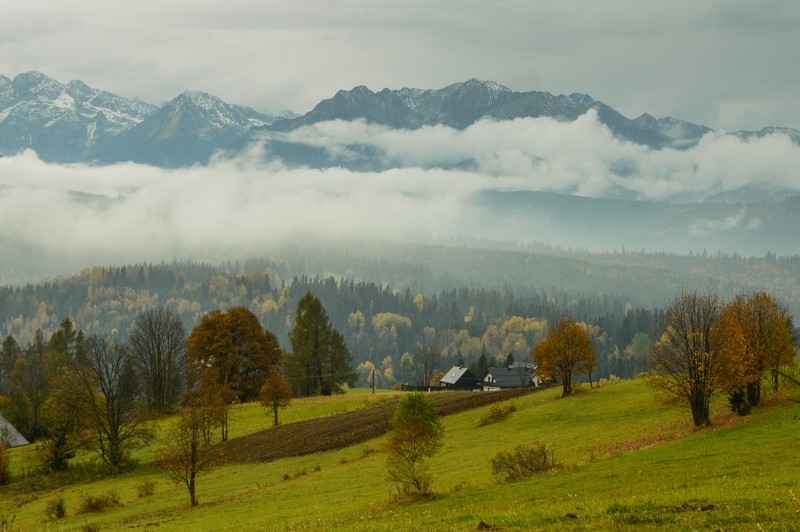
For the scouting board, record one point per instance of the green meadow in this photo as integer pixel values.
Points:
(623, 461)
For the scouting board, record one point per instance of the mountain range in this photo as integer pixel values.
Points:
(72, 122)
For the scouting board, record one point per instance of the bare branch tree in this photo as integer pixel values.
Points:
(189, 454)
(423, 364)
(158, 345)
(102, 390)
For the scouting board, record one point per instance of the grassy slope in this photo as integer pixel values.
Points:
(626, 461)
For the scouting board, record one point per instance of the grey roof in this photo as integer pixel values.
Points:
(455, 373)
(516, 376)
(9, 435)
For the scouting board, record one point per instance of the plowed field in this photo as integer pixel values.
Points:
(343, 430)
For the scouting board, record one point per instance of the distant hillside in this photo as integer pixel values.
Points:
(468, 298)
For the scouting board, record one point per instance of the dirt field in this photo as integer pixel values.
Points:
(344, 430)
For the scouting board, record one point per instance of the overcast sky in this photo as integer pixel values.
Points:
(729, 64)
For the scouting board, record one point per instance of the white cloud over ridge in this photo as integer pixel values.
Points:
(242, 205)
(580, 156)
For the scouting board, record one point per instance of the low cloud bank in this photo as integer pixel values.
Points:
(129, 212)
(580, 157)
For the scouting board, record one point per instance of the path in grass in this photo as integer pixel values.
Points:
(343, 430)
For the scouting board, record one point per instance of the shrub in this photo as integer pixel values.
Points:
(146, 488)
(5, 465)
(523, 462)
(498, 412)
(98, 503)
(56, 508)
(90, 527)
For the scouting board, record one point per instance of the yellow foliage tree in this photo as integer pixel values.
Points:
(567, 350)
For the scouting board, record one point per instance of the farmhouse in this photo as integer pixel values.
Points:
(517, 375)
(9, 435)
(459, 378)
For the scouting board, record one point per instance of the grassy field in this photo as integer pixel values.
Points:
(623, 461)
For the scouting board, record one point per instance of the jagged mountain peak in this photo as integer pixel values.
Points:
(199, 98)
(34, 84)
(490, 86)
(77, 88)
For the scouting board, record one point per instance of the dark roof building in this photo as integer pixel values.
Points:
(517, 375)
(459, 378)
(9, 435)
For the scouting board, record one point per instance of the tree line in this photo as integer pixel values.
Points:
(379, 323)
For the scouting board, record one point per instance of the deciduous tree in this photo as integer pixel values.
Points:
(422, 364)
(417, 434)
(766, 340)
(232, 349)
(276, 392)
(691, 360)
(101, 388)
(158, 345)
(567, 350)
(188, 454)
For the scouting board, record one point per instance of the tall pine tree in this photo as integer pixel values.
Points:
(320, 363)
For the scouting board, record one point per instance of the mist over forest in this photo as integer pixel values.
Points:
(571, 185)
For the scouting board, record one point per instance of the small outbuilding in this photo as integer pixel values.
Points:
(9, 435)
(517, 375)
(459, 378)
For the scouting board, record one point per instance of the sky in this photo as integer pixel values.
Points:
(727, 64)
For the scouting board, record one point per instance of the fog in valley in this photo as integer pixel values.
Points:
(438, 183)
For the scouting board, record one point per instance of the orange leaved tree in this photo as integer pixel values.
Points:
(567, 350)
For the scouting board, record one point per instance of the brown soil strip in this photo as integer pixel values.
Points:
(343, 430)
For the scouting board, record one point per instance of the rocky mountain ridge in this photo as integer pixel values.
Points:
(73, 122)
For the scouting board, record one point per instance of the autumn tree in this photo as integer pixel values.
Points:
(211, 408)
(566, 351)
(693, 359)
(158, 344)
(232, 349)
(766, 340)
(189, 454)
(276, 392)
(320, 363)
(416, 434)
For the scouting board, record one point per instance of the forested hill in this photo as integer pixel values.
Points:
(466, 300)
